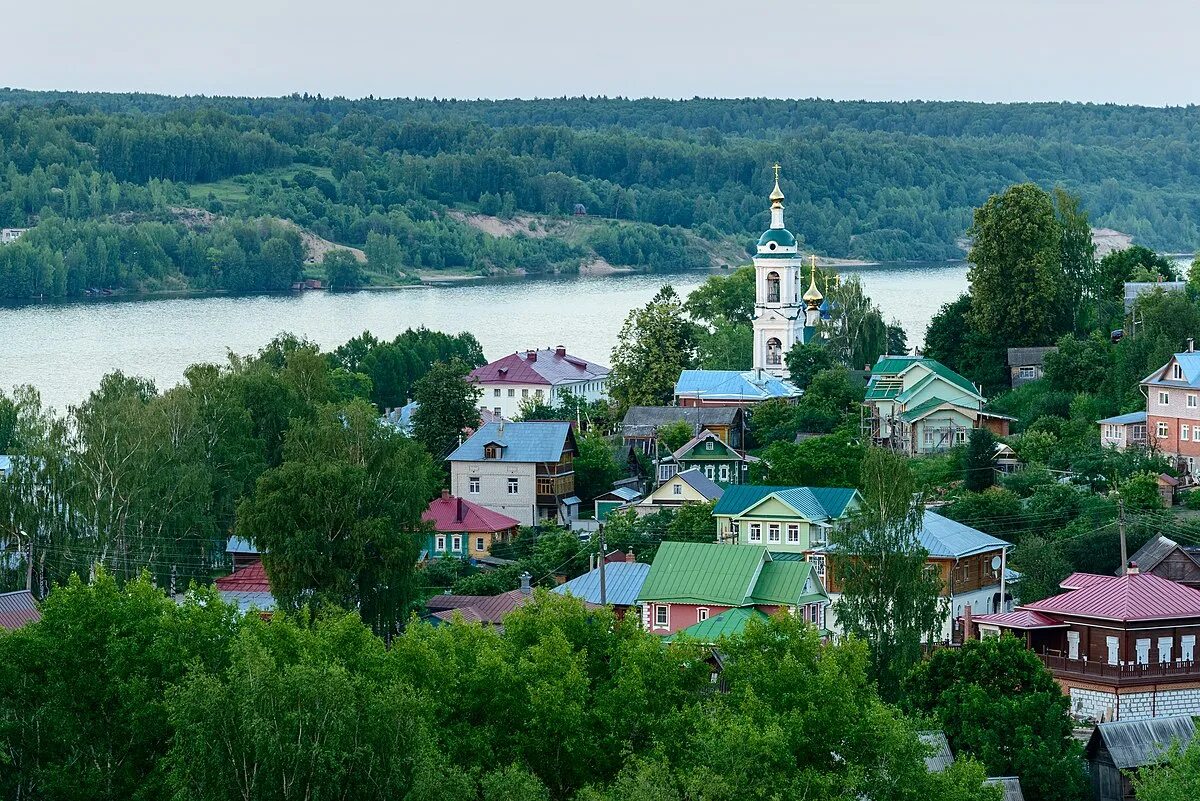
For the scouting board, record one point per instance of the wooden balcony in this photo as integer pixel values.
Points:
(1121, 675)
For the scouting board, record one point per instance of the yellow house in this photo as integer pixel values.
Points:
(784, 519)
(686, 486)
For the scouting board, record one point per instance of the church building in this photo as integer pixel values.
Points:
(782, 316)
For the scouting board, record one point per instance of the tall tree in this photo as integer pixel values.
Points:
(448, 403)
(1018, 287)
(978, 467)
(1176, 778)
(1077, 253)
(656, 343)
(339, 520)
(888, 598)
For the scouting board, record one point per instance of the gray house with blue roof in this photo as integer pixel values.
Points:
(524, 470)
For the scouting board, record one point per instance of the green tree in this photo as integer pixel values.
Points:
(674, 436)
(888, 598)
(978, 467)
(1175, 778)
(806, 359)
(342, 269)
(1134, 263)
(1140, 493)
(897, 338)
(655, 345)
(448, 403)
(339, 521)
(724, 298)
(1018, 287)
(996, 701)
(1077, 254)
(727, 346)
(833, 460)
(596, 467)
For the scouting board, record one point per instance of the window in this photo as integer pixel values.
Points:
(512, 393)
(491, 451)
(545, 486)
(701, 614)
(456, 541)
(473, 485)
(1162, 430)
(1177, 372)
(676, 489)
(1164, 649)
(772, 287)
(818, 535)
(1187, 647)
(1026, 372)
(756, 532)
(1164, 398)
(724, 472)
(773, 532)
(710, 472)
(537, 393)
(708, 446)
(440, 544)
(1072, 645)
(524, 393)
(1185, 431)
(661, 616)
(818, 563)
(1113, 644)
(513, 486)
(1191, 401)
(774, 351)
(960, 436)
(1142, 649)
(793, 534)
(496, 392)
(496, 411)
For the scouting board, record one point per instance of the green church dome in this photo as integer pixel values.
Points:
(780, 236)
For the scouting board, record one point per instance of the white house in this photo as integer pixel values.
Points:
(538, 374)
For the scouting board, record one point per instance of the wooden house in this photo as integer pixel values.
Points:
(688, 486)
(1117, 750)
(785, 519)
(706, 452)
(465, 529)
(640, 427)
(1168, 559)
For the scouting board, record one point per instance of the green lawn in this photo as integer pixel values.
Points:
(236, 188)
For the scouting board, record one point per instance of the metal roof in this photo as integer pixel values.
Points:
(1136, 743)
(789, 583)
(1135, 289)
(623, 581)
(1010, 784)
(17, 609)
(551, 366)
(813, 503)
(1133, 596)
(730, 623)
(728, 575)
(922, 409)
(453, 514)
(942, 757)
(948, 539)
(1189, 361)
(721, 451)
(1022, 619)
(247, 601)
(701, 483)
(895, 366)
(622, 494)
(646, 420)
(1124, 419)
(533, 441)
(1154, 551)
(749, 385)
(1028, 357)
(237, 544)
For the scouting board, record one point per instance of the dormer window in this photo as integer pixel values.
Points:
(492, 451)
(1177, 372)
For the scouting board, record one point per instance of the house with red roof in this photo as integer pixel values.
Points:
(248, 588)
(1122, 647)
(465, 529)
(535, 375)
(17, 609)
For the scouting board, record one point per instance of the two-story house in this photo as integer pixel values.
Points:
(784, 519)
(465, 529)
(707, 453)
(972, 566)
(525, 470)
(1122, 647)
(639, 429)
(534, 375)
(1173, 408)
(918, 405)
(692, 582)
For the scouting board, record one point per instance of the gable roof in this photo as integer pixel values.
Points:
(701, 483)
(623, 581)
(452, 514)
(948, 539)
(891, 367)
(1156, 549)
(926, 408)
(942, 757)
(748, 385)
(1189, 361)
(1011, 785)
(531, 441)
(706, 436)
(786, 582)
(1133, 596)
(812, 503)
(236, 544)
(730, 623)
(17, 609)
(248, 587)
(477, 608)
(548, 367)
(1137, 743)
(1022, 619)
(1029, 357)
(727, 575)
(646, 420)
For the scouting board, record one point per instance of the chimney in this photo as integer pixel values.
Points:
(560, 351)
(460, 513)
(500, 426)
(445, 495)
(525, 577)
(629, 557)
(531, 355)
(1191, 345)
(967, 633)
(1133, 569)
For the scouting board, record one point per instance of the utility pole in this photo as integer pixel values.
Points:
(1121, 529)
(603, 587)
(29, 566)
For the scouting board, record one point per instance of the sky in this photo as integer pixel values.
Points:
(1131, 51)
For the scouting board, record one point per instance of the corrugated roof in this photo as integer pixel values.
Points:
(1124, 419)
(546, 367)
(1022, 619)
(942, 757)
(726, 452)
(746, 385)
(949, 539)
(453, 514)
(17, 609)
(1137, 743)
(623, 581)
(247, 601)
(1029, 357)
(730, 623)
(478, 608)
(695, 572)
(889, 367)
(646, 420)
(1189, 361)
(1010, 784)
(781, 582)
(1077, 581)
(814, 503)
(1134, 596)
(1154, 551)
(533, 441)
(623, 494)
(251, 578)
(701, 483)
(237, 544)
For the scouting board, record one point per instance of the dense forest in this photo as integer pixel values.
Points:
(155, 192)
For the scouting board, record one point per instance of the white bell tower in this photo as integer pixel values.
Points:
(779, 309)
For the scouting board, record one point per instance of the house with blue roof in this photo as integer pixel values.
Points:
(918, 405)
(732, 388)
(790, 520)
(623, 582)
(523, 470)
(1123, 431)
(972, 565)
(1173, 409)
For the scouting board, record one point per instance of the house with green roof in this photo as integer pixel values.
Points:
(918, 405)
(792, 520)
(712, 456)
(690, 583)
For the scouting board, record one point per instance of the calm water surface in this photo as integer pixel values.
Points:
(64, 349)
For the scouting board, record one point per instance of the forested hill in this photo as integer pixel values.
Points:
(103, 178)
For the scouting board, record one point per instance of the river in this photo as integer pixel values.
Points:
(63, 349)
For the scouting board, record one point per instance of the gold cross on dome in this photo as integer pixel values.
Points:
(813, 260)
(776, 168)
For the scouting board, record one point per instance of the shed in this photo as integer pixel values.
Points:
(614, 499)
(1010, 784)
(1118, 748)
(941, 757)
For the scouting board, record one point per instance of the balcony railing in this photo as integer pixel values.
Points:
(1127, 674)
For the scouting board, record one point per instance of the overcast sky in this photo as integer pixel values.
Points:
(1133, 51)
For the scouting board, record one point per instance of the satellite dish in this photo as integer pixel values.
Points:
(996, 563)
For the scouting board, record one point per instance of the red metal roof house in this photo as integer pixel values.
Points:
(465, 529)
